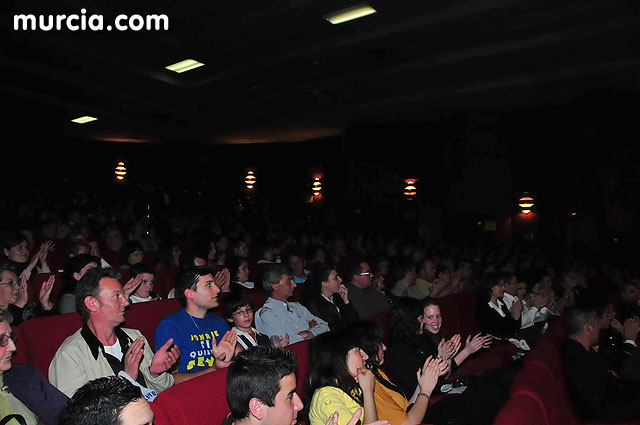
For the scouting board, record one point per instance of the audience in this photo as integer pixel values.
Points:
(143, 292)
(493, 316)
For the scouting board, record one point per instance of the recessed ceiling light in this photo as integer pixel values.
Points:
(83, 120)
(185, 65)
(349, 14)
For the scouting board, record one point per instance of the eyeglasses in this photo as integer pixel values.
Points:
(244, 312)
(11, 282)
(4, 339)
(368, 273)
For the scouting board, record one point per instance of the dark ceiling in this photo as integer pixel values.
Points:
(275, 70)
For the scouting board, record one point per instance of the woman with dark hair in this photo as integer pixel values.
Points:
(239, 273)
(326, 297)
(391, 402)
(494, 317)
(132, 253)
(339, 380)
(17, 252)
(416, 333)
(442, 284)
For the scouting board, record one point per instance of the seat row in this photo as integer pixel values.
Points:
(539, 394)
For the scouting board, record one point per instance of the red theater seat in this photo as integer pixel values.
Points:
(43, 335)
(521, 410)
(35, 283)
(146, 316)
(198, 401)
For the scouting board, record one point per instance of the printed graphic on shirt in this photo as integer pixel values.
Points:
(201, 356)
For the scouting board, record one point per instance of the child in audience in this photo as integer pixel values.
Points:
(238, 310)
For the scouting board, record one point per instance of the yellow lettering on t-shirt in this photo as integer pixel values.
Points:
(210, 361)
(191, 364)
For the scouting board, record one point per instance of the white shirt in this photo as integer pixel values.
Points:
(529, 315)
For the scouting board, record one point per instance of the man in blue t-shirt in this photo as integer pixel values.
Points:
(206, 343)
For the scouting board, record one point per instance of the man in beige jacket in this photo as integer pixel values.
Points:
(101, 348)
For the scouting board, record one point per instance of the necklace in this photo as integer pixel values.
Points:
(196, 325)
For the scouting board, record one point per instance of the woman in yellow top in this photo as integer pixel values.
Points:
(339, 381)
(391, 402)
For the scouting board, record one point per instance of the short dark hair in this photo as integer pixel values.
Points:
(188, 279)
(89, 286)
(402, 268)
(233, 264)
(273, 275)
(576, 317)
(129, 248)
(140, 268)
(233, 302)
(371, 338)
(256, 373)
(99, 402)
(13, 239)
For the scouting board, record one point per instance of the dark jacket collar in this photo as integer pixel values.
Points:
(96, 346)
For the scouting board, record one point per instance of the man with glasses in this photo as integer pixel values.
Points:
(25, 391)
(15, 297)
(238, 311)
(206, 343)
(364, 297)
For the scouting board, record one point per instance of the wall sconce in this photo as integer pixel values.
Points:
(120, 171)
(250, 180)
(410, 190)
(526, 203)
(316, 187)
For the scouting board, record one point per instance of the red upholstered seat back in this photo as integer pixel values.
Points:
(522, 410)
(43, 335)
(146, 316)
(198, 401)
(164, 279)
(301, 350)
(20, 356)
(35, 283)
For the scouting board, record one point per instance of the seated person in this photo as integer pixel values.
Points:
(16, 250)
(629, 300)
(74, 269)
(326, 297)
(298, 263)
(27, 393)
(406, 285)
(533, 311)
(238, 310)
(102, 348)
(14, 296)
(261, 388)
(206, 343)
(339, 380)
(132, 253)
(239, 273)
(417, 333)
(617, 345)
(391, 402)
(366, 299)
(597, 394)
(493, 316)
(144, 291)
(280, 317)
(107, 401)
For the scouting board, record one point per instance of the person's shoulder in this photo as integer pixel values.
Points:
(217, 320)
(71, 340)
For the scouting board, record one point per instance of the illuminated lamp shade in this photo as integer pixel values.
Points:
(120, 171)
(317, 186)
(410, 190)
(526, 202)
(250, 180)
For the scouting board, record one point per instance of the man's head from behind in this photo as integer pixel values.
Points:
(261, 385)
(107, 401)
